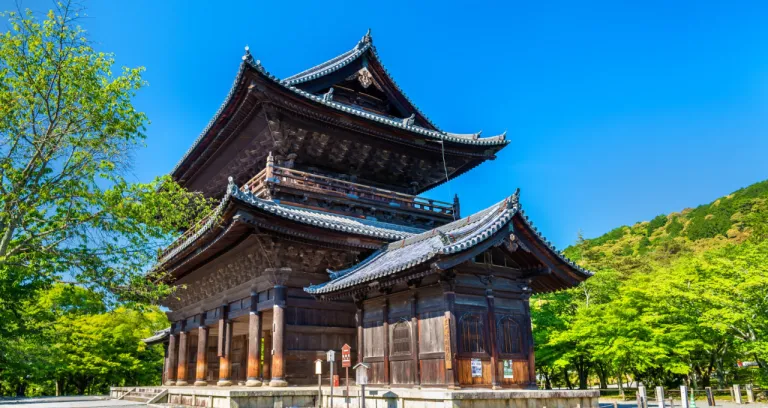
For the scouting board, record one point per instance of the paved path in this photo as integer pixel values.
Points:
(68, 402)
(608, 403)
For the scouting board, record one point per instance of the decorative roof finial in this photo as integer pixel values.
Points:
(270, 160)
(328, 96)
(409, 121)
(514, 199)
(504, 136)
(365, 40)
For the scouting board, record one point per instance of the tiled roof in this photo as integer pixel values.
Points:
(358, 226)
(339, 62)
(317, 218)
(158, 337)
(329, 66)
(448, 239)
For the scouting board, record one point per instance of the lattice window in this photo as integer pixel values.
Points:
(510, 341)
(401, 338)
(472, 334)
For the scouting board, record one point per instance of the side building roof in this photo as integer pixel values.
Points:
(454, 238)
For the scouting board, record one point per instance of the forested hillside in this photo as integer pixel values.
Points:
(680, 298)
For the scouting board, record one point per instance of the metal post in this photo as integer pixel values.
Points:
(710, 396)
(319, 390)
(362, 396)
(331, 403)
(347, 380)
(660, 396)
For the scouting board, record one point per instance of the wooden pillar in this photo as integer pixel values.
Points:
(172, 354)
(278, 338)
(202, 354)
(181, 371)
(495, 383)
(449, 333)
(385, 313)
(225, 344)
(254, 343)
(529, 335)
(359, 321)
(415, 338)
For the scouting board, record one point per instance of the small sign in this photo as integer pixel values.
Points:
(508, 373)
(346, 355)
(330, 356)
(361, 374)
(477, 367)
(318, 366)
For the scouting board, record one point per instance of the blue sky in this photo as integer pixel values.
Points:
(616, 112)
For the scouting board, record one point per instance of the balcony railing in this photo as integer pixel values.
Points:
(274, 175)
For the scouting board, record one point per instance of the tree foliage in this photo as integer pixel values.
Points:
(672, 300)
(70, 212)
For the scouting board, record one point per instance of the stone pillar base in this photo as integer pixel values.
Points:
(224, 383)
(201, 383)
(276, 382)
(170, 383)
(253, 383)
(181, 383)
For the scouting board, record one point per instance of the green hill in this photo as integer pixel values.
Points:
(731, 219)
(682, 298)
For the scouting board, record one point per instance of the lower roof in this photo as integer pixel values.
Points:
(456, 237)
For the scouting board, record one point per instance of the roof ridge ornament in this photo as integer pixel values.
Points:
(367, 39)
(410, 120)
(514, 199)
(248, 59)
(328, 96)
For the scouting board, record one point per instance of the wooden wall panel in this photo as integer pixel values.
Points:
(402, 372)
(519, 373)
(432, 371)
(465, 373)
(373, 339)
(319, 317)
(376, 372)
(431, 332)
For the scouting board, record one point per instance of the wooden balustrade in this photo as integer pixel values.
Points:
(301, 180)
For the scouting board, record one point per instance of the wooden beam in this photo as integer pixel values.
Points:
(202, 354)
(254, 342)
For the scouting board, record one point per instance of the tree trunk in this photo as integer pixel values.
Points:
(547, 381)
(602, 374)
(567, 379)
(620, 381)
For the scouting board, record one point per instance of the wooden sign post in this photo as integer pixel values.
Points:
(346, 362)
(319, 372)
(331, 360)
(361, 377)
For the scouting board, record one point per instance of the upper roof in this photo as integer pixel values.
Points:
(364, 49)
(293, 84)
(453, 238)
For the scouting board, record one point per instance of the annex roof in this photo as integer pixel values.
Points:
(425, 247)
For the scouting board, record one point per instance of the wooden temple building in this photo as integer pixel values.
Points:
(320, 239)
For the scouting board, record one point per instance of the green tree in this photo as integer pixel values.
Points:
(68, 211)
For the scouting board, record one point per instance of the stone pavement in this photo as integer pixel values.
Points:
(67, 402)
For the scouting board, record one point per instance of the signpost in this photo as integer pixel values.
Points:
(319, 372)
(331, 356)
(361, 377)
(346, 362)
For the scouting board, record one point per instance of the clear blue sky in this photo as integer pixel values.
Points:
(616, 112)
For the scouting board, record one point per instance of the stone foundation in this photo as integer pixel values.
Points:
(267, 397)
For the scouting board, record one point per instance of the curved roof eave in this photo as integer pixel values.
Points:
(453, 238)
(340, 61)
